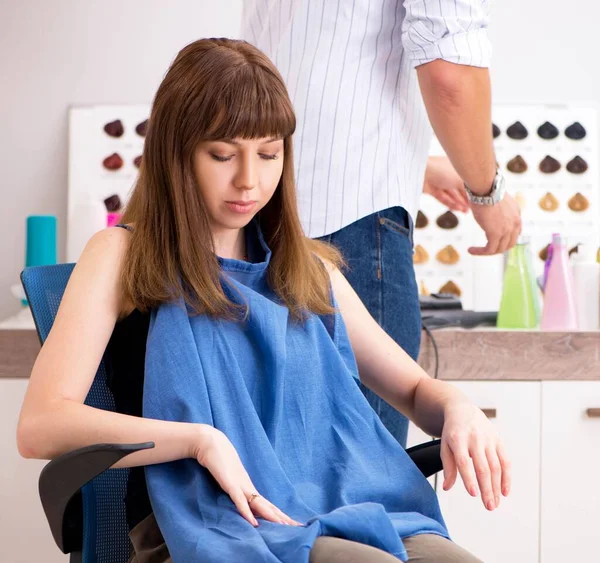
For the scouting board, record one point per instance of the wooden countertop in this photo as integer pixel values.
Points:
(476, 354)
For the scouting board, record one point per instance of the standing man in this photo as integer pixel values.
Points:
(363, 134)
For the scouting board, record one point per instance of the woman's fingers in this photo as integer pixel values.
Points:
(267, 510)
(496, 473)
(506, 469)
(241, 502)
(484, 477)
(449, 466)
(465, 468)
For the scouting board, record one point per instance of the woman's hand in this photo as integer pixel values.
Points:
(471, 447)
(215, 452)
(444, 184)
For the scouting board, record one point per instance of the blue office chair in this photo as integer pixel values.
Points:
(81, 496)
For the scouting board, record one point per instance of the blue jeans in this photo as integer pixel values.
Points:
(378, 251)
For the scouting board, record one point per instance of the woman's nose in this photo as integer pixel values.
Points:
(247, 174)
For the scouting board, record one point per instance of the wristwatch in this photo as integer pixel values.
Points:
(494, 196)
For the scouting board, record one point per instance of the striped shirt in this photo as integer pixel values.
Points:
(363, 135)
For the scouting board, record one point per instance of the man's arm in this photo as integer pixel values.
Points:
(447, 42)
(458, 102)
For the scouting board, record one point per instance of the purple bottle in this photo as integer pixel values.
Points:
(560, 312)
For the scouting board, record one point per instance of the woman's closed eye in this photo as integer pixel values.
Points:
(220, 158)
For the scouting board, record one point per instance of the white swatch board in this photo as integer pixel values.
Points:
(553, 174)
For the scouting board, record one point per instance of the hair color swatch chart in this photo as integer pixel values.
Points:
(549, 157)
(105, 149)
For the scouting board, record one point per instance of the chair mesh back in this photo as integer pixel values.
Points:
(105, 538)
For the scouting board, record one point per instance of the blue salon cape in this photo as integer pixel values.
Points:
(286, 395)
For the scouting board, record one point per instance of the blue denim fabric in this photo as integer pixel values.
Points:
(378, 250)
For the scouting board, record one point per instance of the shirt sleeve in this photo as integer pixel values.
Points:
(451, 30)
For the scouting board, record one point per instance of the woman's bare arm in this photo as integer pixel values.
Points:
(53, 418)
(387, 369)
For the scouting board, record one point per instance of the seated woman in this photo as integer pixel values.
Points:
(247, 342)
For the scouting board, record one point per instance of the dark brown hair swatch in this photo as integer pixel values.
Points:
(137, 161)
(141, 128)
(114, 128)
(543, 254)
(575, 131)
(112, 203)
(547, 131)
(447, 220)
(113, 162)
(517, 165)
(577, 165)
(421, 221)
(549, 165)
(517, 131)
(495, 131)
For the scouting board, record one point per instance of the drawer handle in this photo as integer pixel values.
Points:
(490, 413)
(593, 413)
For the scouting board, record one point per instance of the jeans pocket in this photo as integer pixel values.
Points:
(393, 226)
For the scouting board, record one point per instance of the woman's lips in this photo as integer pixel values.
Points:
(241, 207)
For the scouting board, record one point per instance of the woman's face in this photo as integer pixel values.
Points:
(237, 178)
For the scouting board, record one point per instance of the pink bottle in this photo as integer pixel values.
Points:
(560, 312)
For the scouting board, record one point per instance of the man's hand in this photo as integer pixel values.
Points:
(444, 184)
(501, 223)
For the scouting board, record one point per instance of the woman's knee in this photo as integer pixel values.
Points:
(431, 548)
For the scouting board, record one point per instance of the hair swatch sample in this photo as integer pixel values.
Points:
(543, 254)
(141, 128)
(549, 165)
(549, 202)
(137, 161)
(577, 165)
(575, 131)
(547, 131)
(517, 131)
(517, 165)
(114, 128)
(420, 256)
(448, 255)
(450, 287)
(112, 203)
(495, 131)
(421, 221)
(447, 220)
(113, 162)
(579, 203)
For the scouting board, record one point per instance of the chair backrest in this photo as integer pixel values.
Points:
(105, 538)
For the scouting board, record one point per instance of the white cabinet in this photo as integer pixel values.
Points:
(552, 433)
(24, 533)
(510, 532)
(570, 509)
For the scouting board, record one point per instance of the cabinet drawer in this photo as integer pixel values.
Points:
(570, 504)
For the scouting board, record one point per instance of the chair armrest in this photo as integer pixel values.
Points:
(60, 483)
(426, 457)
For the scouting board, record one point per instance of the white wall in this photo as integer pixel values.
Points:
(54, 53)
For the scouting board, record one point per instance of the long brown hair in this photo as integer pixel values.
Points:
(216, 89)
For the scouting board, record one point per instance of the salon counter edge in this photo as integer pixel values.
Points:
(485, 354)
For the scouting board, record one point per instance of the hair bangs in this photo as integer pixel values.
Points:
(255, 106)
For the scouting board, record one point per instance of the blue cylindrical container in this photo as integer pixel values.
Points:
(40, 240)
